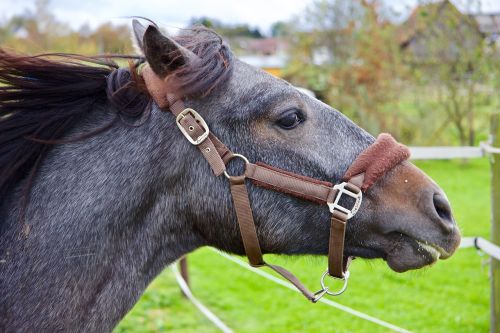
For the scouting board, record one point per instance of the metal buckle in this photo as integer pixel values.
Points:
(341, 188)
(199, 119)
(326, 290)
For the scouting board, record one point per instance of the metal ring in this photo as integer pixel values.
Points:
(228, 176)
(327, 289)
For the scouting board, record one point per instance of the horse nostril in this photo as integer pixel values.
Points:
(443, 209)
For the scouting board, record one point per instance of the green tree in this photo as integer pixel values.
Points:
(227, 30)
(448, 57)
(39, 32)
(345, 52)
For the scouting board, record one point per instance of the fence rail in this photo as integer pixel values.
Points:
(444, 153)
(417, 153)
(481, 244)
(448, 152)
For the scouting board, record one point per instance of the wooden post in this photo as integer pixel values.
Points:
(495, 225)
(183, 266)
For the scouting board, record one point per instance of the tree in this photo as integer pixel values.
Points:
(227, 30)
(279, 29)
(345, 52)
(447, 52)
(39, 31)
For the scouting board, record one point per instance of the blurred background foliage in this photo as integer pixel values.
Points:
(429, 79)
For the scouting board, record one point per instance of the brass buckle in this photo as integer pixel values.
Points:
(341, 188)
(199, 119)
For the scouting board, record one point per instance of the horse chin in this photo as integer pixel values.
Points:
(407, 253)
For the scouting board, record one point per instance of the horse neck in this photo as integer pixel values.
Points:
(102, 221)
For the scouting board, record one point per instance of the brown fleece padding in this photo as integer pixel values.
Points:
(383, 155)
(157, 87)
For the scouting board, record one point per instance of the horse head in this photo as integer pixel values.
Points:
(405, 218)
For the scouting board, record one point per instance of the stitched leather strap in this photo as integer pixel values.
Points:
(245, 220)
(337, 266)
(315, 191)
(212, 149)
(293, 184)
(249, 234)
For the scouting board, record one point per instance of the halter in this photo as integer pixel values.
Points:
(369, 166)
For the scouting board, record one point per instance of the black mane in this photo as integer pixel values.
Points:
(44, 96)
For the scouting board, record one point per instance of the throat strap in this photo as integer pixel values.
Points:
(249, 234)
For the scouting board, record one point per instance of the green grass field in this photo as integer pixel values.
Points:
(452, 296)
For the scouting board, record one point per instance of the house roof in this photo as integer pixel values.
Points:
(421, 15)
(265, 61)
(263, 46)
(488, 23)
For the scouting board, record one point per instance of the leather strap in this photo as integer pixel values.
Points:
(286, 182)
(337, 266)
(315, 191)
(249, 234)
(245, 220)
(212, 149)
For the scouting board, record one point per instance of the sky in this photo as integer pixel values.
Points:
(176, 13)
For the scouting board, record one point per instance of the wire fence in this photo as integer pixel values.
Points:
(483, 245)
(417, 153)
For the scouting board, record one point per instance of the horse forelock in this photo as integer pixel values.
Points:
(212, 65)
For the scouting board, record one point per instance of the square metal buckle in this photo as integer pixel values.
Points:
(341, 188)
(199, 119)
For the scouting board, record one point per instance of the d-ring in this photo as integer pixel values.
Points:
(327, 289)
(244, 160)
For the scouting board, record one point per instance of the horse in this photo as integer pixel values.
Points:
(100, 191)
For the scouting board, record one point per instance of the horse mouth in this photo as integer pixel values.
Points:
(436, 251)
(407, 252)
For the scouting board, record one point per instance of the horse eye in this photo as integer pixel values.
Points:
(290, 120)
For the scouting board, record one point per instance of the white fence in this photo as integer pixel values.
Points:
(446, 153)
(417, 153)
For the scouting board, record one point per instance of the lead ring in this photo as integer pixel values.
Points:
(244, 160)
(327, 289)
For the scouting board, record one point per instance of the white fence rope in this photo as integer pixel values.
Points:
(417, 153)
(322, 300)
(446, 152)
(483, 245)
(203, 309)
(467, 242)
(488, 148)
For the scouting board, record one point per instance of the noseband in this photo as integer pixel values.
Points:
(369, 166)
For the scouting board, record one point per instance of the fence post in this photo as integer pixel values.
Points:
(183, 266)
(495, 225)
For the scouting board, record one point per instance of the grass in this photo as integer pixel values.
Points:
(452, 296)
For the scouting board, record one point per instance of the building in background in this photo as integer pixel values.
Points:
(489, 25)
(270, 54)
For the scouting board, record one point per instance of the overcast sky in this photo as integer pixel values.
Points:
(176, 13)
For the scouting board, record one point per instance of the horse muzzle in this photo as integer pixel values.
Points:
(416, 226)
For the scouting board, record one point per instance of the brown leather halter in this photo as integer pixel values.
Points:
(369, 166)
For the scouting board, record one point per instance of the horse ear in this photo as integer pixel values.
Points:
(138, 31)
(164, 54)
